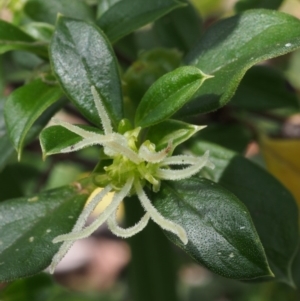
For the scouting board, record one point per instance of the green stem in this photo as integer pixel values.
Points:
(152, 270)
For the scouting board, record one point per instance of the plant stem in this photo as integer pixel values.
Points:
(152, 272)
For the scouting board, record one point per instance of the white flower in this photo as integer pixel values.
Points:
(131, 169)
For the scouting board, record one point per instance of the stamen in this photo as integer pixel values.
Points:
(125, 233)
(157, 217)
(78, 226)
(180, 174)
(102, 112)
(154, 157)
(117, 199)
(73, 128)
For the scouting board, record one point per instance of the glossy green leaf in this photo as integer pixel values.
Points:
(28, 226)
(24, 106)
(82, 57)
(264, 88)
(171, 130)
(221, 235)
(231, 46)
(168, 94)
(179, 29)
(149, 67)
(55, 138)
(272, 207)
(233, 136)
(242, 5)
(13, 38)
(128, 15)
(46, 11)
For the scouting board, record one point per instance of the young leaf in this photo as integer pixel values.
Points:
(46, 11)
(168, 94)
(55, 138)
(171, 130)
(28, 226)
(24, 106)
(272, 207)
(264, 88)
(13, 38)
(82, 57)
(221, 235)
(230, 47)
(242, 5)
(128, 15)
(179, 29)
(40, 31)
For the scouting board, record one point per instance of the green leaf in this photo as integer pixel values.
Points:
(271, 205)
(233, 136)
(242, 5)
(264, 88)
(13, 38)
(168, 94)
(38, 30)
(55, 138)
(24, 106)
(82, 57)
(231, 46)
(171, 130)
(46, 11)
(179, 29)
(6, 150)
(128, 15)
(28, 226)
(105, 5)
(149, 67)
(221, 235)
(6, 147)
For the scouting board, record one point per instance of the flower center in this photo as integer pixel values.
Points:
(122, 168)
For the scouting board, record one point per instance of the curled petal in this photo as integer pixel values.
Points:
(157, 217)
(78, 226)
(73, 128)
(152, 156)
(179, 174)
(117, 199)
(102, 112)
(124, 233)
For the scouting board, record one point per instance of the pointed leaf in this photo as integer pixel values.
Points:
(171, 130)
(46, 11)
(55, 138)
(168, 94)
(231, 46)
(82, 57)
(28, 226)
(128, 15)
(13, 38)
(272, 207)
(221, 235)
(24, 106)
